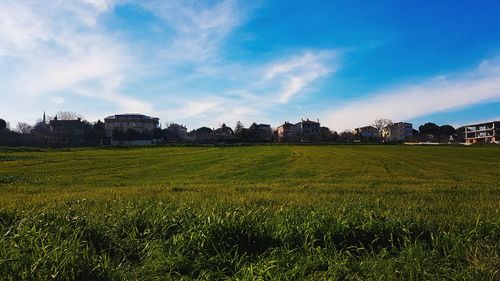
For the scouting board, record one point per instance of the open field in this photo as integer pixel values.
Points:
(283, 212)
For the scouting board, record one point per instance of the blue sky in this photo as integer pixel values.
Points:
(212, 62)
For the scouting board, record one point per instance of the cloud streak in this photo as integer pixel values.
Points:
(407, 102)
(199, 28)
(57, 48)
(299, 71)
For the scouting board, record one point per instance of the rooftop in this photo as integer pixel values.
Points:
(307, 121)
(478, 124)
(129, 116)
(366, 128)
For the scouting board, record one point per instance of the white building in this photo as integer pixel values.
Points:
(488, 132)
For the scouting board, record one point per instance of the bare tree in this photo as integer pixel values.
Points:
(382, 125)
(24, 128)
(68, 115)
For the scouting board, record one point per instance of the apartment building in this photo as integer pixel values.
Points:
(286, 131)
(308, 127)
(400, 131)
(123, 122)
(488, 132)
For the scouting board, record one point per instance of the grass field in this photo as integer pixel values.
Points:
(256, 212)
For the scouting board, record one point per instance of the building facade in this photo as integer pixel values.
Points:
(488, 132)
(123, 122)
(260, 132)
(400, 131)
(286, 131)
(308, 127)
(66, 131)
(367, 132)
(264, 128)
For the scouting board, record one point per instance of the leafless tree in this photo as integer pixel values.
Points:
(382, 125)
(24, 128)
(68, 115)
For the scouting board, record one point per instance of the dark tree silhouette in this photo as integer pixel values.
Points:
(3, 124)
(203, 134)
(447, 132)
(429, 131)
(239, 126)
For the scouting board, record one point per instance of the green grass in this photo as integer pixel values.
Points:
(244, 213)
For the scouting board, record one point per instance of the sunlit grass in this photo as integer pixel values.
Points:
(270, 212)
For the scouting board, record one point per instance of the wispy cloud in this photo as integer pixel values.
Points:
(56, 48)
(264, 87)
(199, 28)
(103, 5)
(299, 71)
(60, 52)
(427, 97)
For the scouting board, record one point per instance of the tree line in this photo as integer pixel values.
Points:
(40, 134)
(93, 133)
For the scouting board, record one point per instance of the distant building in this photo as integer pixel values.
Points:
(177, 131)
(308, 127)
(488, 132)
(367, 132)
(400, 131)
(286, 131)
(66, 131)
(264, 128)
(123, 122)
(259, 133)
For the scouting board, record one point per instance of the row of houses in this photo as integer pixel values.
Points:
(395, 132)
(486, 132)
(143, 123)
(303, 128)
(72, 130)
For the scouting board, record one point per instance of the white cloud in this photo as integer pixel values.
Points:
(263, 88)
(60, 53)
(57, 100)
(102, 5)
(199, 28)
(412, 101)
(56, 48)
(297, 72)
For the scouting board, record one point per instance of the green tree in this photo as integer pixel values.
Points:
(447, 132)
(429, 131)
